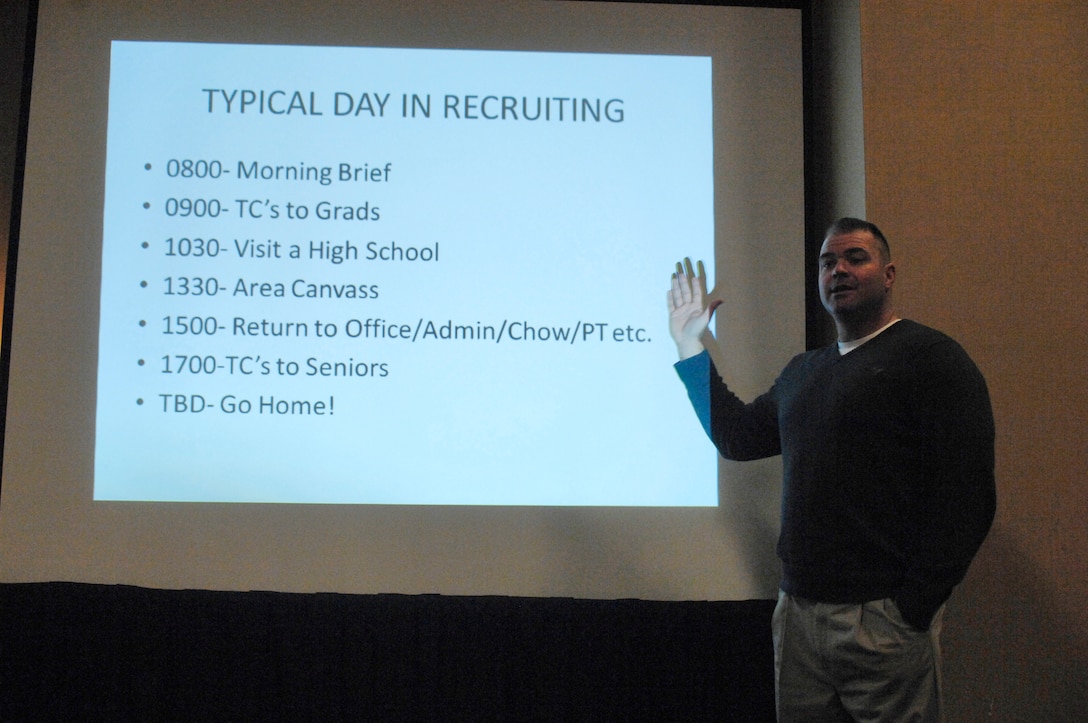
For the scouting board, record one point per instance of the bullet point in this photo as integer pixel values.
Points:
(143, 323)
(143, 284)
(147, 166)
(145, 244)
(139, 401)
(140, 362)
(147, 205)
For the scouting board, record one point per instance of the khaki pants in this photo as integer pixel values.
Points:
(854, 662)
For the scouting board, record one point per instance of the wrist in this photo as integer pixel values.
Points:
(688, 348)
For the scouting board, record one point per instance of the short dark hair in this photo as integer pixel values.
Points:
(847, 224)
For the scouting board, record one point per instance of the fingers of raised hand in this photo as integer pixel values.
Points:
(681, 287)
(688, 283)
(674, 295)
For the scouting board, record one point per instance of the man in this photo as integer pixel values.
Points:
(887, 441)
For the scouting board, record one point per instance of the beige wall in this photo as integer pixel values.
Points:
(976, 161)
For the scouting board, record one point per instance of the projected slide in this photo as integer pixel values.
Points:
(396, 276)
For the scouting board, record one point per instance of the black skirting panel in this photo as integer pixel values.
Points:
(101, 652)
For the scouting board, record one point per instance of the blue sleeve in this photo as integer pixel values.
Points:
(694, 372)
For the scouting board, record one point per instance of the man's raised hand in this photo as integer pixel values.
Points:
(689, 310)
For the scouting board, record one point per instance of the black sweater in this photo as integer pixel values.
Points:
(888, 464)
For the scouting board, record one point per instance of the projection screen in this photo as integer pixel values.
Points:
(370, 298)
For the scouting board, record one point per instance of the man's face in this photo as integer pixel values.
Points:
(854, 276)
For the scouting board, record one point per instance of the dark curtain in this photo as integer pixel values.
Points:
(80, 652)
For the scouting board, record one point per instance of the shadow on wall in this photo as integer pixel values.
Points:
(1028, 654)
(750, 495)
